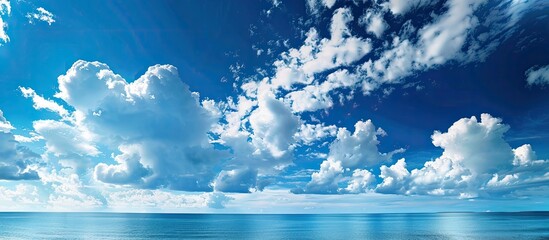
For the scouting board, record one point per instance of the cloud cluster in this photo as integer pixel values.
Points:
(349, 153)
(476, 162)
(37, 14)
(142, 199)
(40, 14)
(16, 162)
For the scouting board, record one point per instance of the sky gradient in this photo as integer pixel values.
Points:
(274, 106)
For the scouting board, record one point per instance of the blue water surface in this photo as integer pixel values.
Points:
(530, 225)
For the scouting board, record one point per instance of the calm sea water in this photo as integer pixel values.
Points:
(227, 226)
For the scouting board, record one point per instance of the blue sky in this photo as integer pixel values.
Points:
(274, 106)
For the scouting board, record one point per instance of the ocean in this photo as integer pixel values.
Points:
(526, 225)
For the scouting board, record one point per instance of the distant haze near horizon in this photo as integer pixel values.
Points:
(274, 106)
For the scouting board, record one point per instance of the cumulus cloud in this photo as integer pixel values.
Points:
(374, 23)
(64, 139)
(262, 141)
(361, 181)
(67, 191)
(40, 14)
(16, 162)
(311, 133)
(350, 152)
(21, 194)
(537, 76)
(127, 170)
(274, 126)
(156, 125)
(476, 162)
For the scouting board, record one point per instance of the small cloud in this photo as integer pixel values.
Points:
(537, 75)
(41, 14)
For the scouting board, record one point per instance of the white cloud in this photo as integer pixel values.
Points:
(34, 137)
(349, 152)
(127, 170)
(262, 147)
(361, 181)
(157, 124)
(16, 161)
(374, 23)
(439, 42)
(67, 191)
(274, 126)
(342, 49)
(5, 125)
(317, 96)
(64, 139)
(476, 162)
(311, 133)
(299, 66)
(237, 180)
(401, 7)
(21, 195)
(5, 10)
(159, 200)
(40, 14)
(42, 103)
(393, 177)
(315, 6)
(537, 75)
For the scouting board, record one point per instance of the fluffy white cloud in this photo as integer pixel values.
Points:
(476, 162)
(21, 194)
(40, 14)
(128, 170)
(374, 23)
(315, 97)
(310, 133)
(341, 49)
(155, 124)
(361, 181)
(64, 139)
(5, 9)
(315, 6)
(274, 126)
(5, 125)
(348, 153)
(16, 162)
(393, 177)
(315, 56)
(67, 192)
(538, 75)
(263, 147)
(438, 43)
